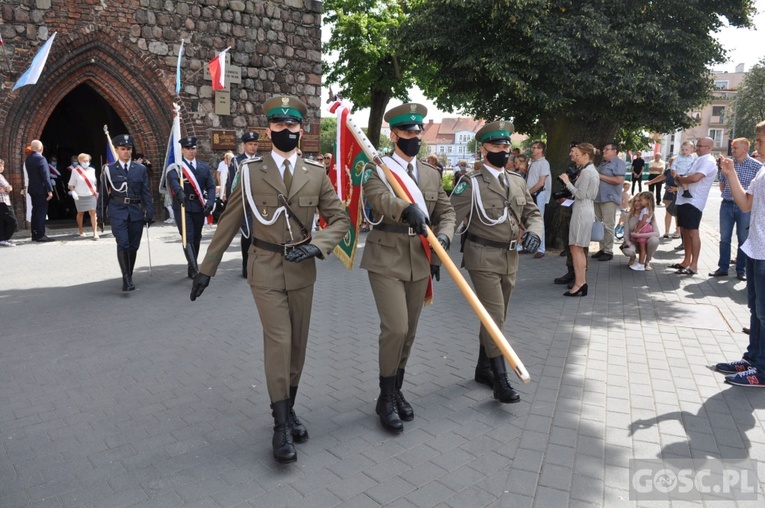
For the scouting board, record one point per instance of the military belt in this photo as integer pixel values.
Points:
(273, 247)
(491, 243)
(395, 228)
(126, 201)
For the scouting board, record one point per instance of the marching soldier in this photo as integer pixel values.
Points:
(130, 205)
(197, 195)
(500, 209)
(250, 153)
(398, 259)
(281, 191)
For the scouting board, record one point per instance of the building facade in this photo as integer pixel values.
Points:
(113, 64)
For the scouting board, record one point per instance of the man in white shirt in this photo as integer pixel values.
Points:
(750, 370)
(700, 178)
(539, 183)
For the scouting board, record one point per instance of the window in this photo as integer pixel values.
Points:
(449, 149)
(441, 149)
(721, 84)
(717, 136)
(718, 114)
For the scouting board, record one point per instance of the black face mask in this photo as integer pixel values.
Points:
(285, 140)
(410, 147)
(497, 159)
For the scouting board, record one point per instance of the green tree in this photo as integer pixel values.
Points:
(748, 108)
(363, 55)
(581, 69)
(328, 134)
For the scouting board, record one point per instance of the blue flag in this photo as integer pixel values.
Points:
(32, 74)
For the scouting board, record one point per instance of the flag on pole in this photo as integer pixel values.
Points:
(346, 175)
(32, 74)
(218, 70)
(173, 153)
(178, 70)
(1, 40)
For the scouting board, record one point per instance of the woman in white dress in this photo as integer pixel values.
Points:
(582, 213)
(82, 185)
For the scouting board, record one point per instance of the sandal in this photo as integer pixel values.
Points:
(686, 271)
(677, 266)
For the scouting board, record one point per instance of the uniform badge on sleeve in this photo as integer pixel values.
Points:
(460, 188)
(367, 175)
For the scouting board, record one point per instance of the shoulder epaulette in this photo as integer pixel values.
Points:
(257, 158)
(312, 162)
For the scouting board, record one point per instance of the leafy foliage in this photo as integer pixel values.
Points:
(371, 67)
(328, 134)
(749, 105)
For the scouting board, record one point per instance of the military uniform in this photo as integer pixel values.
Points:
(399, 269)
(196, 210)
(500, 207)
(130, 207)
(282, 289)
(233, 173)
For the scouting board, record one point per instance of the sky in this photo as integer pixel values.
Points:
(742, 45)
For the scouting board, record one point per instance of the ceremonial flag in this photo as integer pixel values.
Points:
(32, 74)
(173, 153)
(346, 175)
(178, 70)
(1, 40)
(111, 154)
(218, 70)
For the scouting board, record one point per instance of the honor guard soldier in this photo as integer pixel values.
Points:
(249, 153)
(197, 195)
(499, 208)
(130, 205)
(398, 258)
(282, 192)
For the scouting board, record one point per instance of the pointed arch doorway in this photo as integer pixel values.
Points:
(77, 126)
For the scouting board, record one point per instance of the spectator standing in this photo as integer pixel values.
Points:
(680, 167)
(82, 184)
(655, 169)
(539, 183)
(637, 173)
(8, 222)
(460, 171)
(582, 214)
(565, 218)
(730, 214)
(699, 180)
(522, 165)
(750, 370)
(611, 174)
(670, 193)
(223, 170)
(39, 189)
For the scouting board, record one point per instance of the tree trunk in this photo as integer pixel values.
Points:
(380, 99)
(561, 131)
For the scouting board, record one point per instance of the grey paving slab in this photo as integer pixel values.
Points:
(145, 399)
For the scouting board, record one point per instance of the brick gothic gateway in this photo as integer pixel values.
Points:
(123, 56)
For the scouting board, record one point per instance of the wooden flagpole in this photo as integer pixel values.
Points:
(496, 334)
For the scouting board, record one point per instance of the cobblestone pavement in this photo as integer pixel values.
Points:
(112, 399)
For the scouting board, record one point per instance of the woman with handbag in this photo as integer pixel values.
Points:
(670, 193)
(584, 193)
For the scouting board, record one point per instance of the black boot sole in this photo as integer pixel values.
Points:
(281, 460)
(299, 438)
(484, 381)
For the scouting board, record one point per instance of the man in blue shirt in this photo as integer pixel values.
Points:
(611, 173)
(730, 214)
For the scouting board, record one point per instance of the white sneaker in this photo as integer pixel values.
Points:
(638, 267)
(4, 243)
(170, 221)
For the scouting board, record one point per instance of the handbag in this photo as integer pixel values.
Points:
(672, 207)
(598, 231)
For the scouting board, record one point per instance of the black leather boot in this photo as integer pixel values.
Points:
(299, 432)
(131, 255)
(405, 410)
(502, 389)
(386, 405)
(483, 373)
(245, 245)
(284, 450)
(190, 272)
(124, 261)
(565, 279)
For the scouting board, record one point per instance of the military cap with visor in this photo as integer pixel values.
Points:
(407, 117)
(188, 142)
(250, 136)
(123, 140)
(497, 133)
(285, 108)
